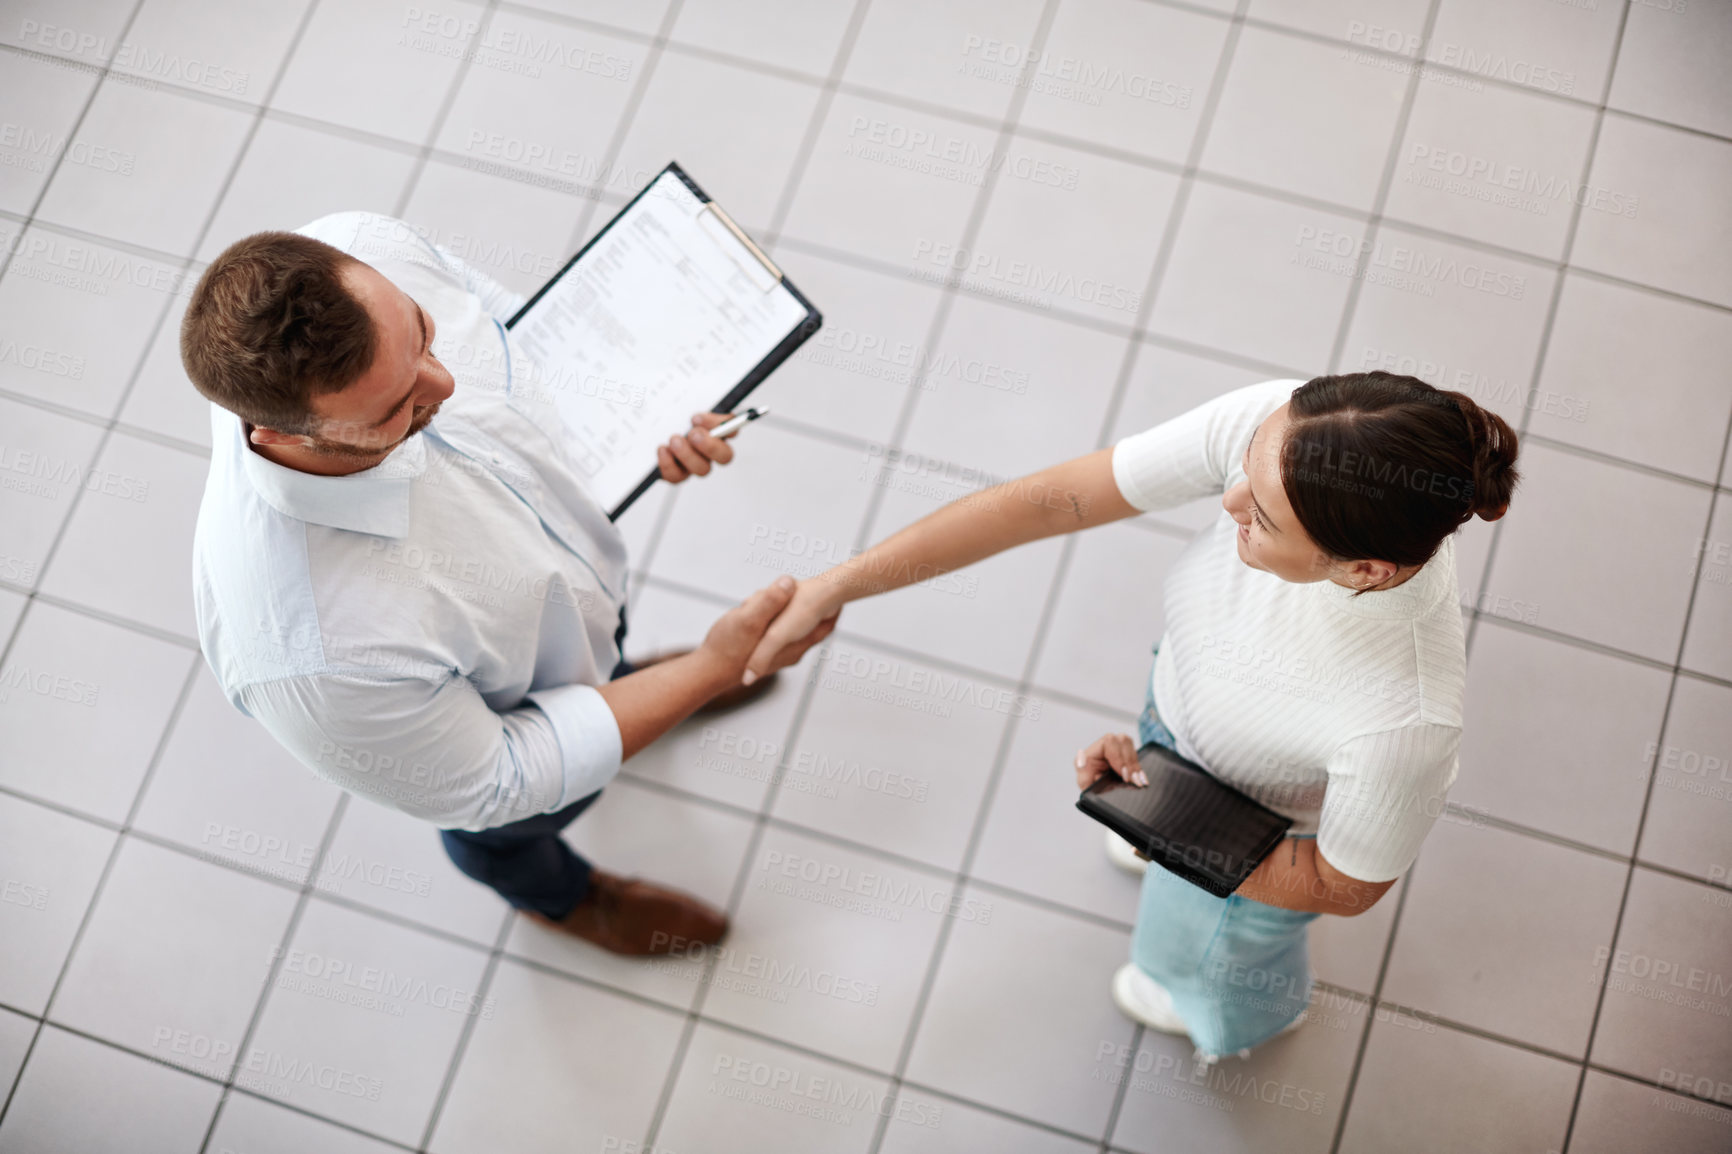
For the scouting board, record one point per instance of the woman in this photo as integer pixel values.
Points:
(1313, 656)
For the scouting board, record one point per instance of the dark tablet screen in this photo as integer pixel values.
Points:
(1187, 821)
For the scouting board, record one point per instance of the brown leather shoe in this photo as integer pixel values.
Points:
(638, 918)
(727, 699)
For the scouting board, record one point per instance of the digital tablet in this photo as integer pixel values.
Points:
(1186, 820)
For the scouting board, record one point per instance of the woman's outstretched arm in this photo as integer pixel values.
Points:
(1077, 494)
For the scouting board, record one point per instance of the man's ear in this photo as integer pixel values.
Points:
(262, 436)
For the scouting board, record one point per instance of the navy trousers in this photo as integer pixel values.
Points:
(526, 862)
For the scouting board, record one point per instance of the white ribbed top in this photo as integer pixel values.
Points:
(1339, 711)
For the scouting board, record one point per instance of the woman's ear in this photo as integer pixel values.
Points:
(1365, 574)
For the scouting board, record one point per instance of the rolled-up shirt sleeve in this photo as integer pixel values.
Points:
(1385, 792)
(436, 751)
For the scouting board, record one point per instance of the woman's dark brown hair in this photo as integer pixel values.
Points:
(1380, 467)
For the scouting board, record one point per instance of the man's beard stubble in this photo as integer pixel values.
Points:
(342, 450)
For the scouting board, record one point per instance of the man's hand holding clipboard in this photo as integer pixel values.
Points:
(669, 308)
(692, 453)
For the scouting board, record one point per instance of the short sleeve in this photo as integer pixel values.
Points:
(1385, 792)
(1192, 455)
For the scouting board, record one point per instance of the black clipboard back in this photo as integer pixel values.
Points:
(1187, 821)
(801, 333)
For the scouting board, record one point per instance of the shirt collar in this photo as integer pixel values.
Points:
(374, 501)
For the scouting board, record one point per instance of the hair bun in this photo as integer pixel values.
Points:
(1494, 456)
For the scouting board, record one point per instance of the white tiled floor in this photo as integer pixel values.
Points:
(178, 899)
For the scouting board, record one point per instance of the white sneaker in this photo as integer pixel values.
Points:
(1142, 999)
(1120, 853)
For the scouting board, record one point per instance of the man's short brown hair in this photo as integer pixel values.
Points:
(271, 325)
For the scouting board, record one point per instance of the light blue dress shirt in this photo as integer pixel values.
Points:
(427, 633)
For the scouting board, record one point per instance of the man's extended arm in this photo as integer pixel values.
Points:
(435, 750)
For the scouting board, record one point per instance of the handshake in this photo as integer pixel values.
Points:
(771, 629)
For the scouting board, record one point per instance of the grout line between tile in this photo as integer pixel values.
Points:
(281, 953)
(1632, 859)
(964, 116)
(5, 264)
(759, 824)
(670, 1081)
(425, 150)
(1380, 199)
(104, 616)
(1124, 1084)
(101, 882)
(1293, 32)
(627, 115)
(184, 263)
(1350, 307)
(952, 283)
(633, 996)
(765, 818)
(482, 988)
(202, 1076)
(7, 252)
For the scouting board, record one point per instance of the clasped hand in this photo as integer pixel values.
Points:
(771, 629)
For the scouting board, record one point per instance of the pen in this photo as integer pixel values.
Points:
(735, 423)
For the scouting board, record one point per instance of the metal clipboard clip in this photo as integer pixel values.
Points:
(767, 265)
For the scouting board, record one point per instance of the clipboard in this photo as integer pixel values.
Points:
(701, 289)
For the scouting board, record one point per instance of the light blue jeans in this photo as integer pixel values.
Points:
(1238, 970)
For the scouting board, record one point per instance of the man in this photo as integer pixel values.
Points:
(400, 575)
